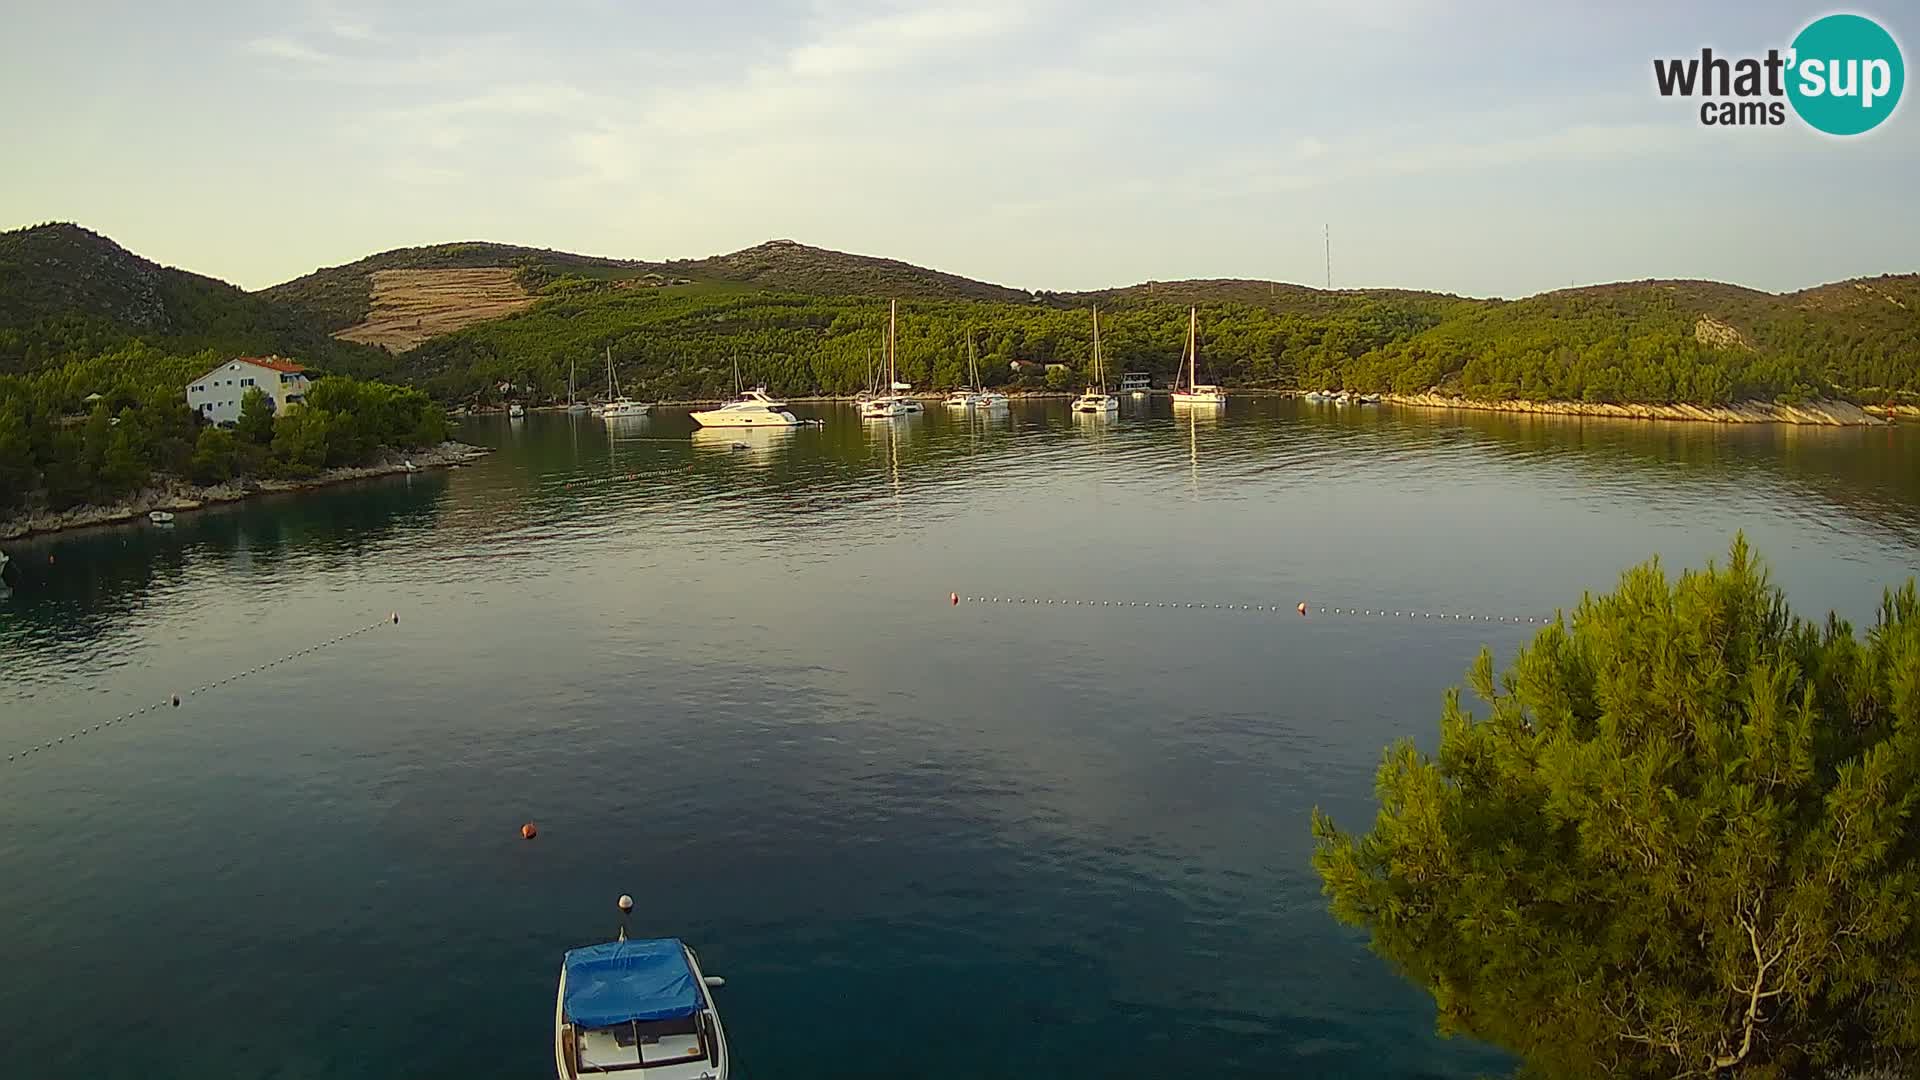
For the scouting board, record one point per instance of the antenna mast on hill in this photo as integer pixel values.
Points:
(1326, 231)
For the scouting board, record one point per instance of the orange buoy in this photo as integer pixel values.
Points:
(528, 832)
(1303, 607)
(955, 597)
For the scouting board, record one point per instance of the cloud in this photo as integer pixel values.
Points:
(896, 41)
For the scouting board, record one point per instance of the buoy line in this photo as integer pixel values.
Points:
(1301, 609)
(175, 700)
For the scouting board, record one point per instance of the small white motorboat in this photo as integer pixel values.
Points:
(160, 517)
(963, 398)
(516, 410)
(9, 574)
(1368, 399)
(642, 1005)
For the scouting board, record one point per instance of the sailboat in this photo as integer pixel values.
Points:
(749, 408)
(1096, 399)
(985, 398)
(1195, 392)
(967, 397)
(888, 404)
(574, 405)
(619, 404)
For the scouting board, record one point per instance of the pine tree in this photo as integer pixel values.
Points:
(1680, 842)
(256, 418)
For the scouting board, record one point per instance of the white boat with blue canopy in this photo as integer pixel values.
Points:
(641, 1008)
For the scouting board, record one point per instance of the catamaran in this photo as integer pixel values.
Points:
(1196, 392)
(638, 1004)
(889, 404)
(1096, 399)
(619, 404)
(749, 408)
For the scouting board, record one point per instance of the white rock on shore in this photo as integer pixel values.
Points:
(1825, 413)
(176, 495)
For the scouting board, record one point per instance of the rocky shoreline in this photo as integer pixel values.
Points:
(1828, 413)
(178, 496)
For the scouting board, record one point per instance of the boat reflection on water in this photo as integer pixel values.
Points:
(756, 446)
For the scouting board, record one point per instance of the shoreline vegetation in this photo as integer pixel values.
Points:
(1821, 412)
(176, 495)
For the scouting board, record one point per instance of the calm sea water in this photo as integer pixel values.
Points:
(918, 840)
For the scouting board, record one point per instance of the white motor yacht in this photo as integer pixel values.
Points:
(753, 408)
(749, 408)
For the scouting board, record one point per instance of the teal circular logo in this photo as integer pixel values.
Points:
(1846, 74)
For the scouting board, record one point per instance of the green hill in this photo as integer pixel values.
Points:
(67, 292)
(787, 266)
(463, 318)
(337, 297)
(1668, 341)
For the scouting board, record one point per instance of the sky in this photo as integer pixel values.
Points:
(1490, 149)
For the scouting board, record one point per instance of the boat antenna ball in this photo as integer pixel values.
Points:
(626, 904)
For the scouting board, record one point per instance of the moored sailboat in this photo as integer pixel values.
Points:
(1096, 399)
(888, 404)
(1195, 392)
(618, 404)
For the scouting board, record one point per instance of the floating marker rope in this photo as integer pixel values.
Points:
(1296, 610)
(174, 701)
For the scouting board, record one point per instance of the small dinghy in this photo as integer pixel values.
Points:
(640, 1005)
(160, 517)
(9, 574)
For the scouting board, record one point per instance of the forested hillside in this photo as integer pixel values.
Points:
(67, 293)
(808, 320)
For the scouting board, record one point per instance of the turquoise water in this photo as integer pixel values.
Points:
(917, 839)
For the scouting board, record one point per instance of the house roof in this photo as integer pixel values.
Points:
(271, 363)
(274, 362)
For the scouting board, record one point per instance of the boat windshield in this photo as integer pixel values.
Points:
(640, 1044)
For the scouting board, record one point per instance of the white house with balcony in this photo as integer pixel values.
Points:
(217, 395)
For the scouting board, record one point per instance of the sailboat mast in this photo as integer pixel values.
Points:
(1099, 377)
(1193, 347)
(893, 345)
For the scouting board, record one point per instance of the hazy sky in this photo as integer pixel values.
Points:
(1496, 148)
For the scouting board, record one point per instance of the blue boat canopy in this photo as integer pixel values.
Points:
(645, 979)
